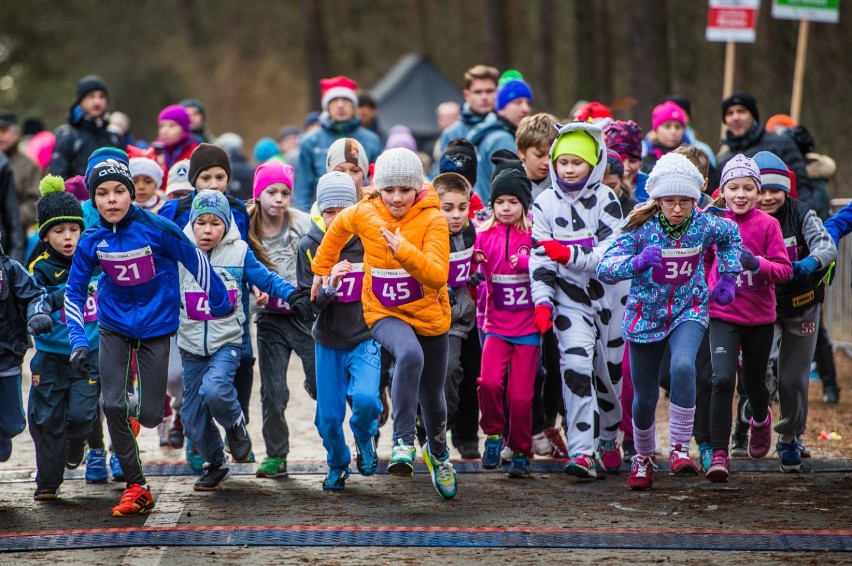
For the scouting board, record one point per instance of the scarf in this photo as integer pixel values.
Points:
(675, 230)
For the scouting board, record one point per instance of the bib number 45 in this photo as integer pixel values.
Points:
(396, 292)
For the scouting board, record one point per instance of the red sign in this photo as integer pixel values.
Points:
(732, 20)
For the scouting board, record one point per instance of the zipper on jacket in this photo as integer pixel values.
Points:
(508, 228)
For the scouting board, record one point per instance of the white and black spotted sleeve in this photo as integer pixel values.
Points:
(542, 268)
(607, 210)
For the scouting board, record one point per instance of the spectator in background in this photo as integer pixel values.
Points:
(198, 120)
(25, 172)
(266, 149)
(689, 135)
(288, 144)
(779, 122)
(174, 140)
(401, 136)
(242, 173)
(446, 114)
(37, 142)
(480, 92)
(85, 131)
(11, 235)
(820, 169)
(119, 124)
(338, 120)
(368, 112)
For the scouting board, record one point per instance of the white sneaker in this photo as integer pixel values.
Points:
(506, 454)
(541, 445)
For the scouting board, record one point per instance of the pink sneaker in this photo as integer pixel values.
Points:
(760, 438)
(680, 464)
(641, 473)
(720, 467)
(610, 455)
(581, 466)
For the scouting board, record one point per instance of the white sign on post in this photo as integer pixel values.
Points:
(825, 11)
(732, 20)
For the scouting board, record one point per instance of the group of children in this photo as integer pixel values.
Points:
(383, 285)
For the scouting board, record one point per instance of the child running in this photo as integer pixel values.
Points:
(406, 265)
(138, 309)
(574, 221)
(747, 324)
(348, 358)
(63, 402)
(512, 332)
(211, 348)
(274, 234)
(661, 248)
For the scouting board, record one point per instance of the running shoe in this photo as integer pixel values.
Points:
(720, 467)
(239, 440)
(581, 466)
(272, 467)
(46, 493)
(680, 464)
(401, 463)
(213, 476)
(176, 436)
(115, 468)
(365, 456)
(136, 500)
(491, 456)
(335, 480)
(760, 438)
(442, 472)
(641, 476)
(193, 457)
(75, 451)
(609, 455)
(520, 467)
(789, 456)
(705, 455)
(96, 469)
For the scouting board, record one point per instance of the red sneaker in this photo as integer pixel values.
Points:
(581, 466)
(560, 450)
(641, 476)
(760, 438)
(134, 501)
(610, 455)
(720, 467)
(680, 464)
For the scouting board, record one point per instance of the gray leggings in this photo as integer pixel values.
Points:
(420, 367)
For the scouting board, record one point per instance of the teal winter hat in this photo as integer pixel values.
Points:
(773, 172)
(211, 202)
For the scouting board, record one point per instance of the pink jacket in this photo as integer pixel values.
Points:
(755, 300)
(508, 305)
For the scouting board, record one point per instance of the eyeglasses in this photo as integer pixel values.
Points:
(673, 204)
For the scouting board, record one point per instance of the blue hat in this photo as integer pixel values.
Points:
(510, 91)
(211, 202)
(265, 149)
(109, 164)
(773, 172)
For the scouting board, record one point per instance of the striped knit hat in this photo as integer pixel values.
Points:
(773, 172)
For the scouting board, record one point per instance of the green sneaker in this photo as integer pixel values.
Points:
(401, 463)
(272, 468)
(442, 472)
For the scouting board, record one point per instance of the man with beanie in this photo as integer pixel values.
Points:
(747, 135)
(348, 359)
(480, 90)
(85, 131)
(497, 130)
(25, 172)
(197, 119)
(338, 120)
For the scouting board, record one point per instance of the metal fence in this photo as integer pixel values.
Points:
(837, 309)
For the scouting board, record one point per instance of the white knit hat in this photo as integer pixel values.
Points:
(179, 178)
(674, 176)
(147, 167)
(398, 167)
(335, 190)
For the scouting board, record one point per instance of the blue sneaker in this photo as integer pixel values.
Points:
(442, 472)
(5, 449)
(193, 458)
(790, 456)
(365, 456)
(335, 480)
(705, 455)
(96, 469)
(520, 467)
(491, 456)
(115, 468)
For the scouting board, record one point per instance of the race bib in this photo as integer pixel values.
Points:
(127, 269)
(198, 303)
(395, 287)
(678, 266)
(279, 305)
(792, 248)
(511, 292)
(351, 285)
(90, 311)
(746, 281)
(459, 268)
(579, 238)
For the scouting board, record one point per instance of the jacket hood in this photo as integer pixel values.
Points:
(820, 166)
(490, 123)
(342, 129)
(597, 174)
(232, 235)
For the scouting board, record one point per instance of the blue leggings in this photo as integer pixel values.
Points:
(645, 359)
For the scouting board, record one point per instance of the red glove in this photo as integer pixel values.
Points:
(556, 251)
(543, 318)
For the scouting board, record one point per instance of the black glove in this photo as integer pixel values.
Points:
(39, 323)
(302, 306)
(80, 360)
(452, 294)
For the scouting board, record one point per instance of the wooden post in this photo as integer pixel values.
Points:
(799, 71)
(728, 84)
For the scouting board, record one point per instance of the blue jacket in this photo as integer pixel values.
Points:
(488, 136)
(177, 210)
(653, 309)
(147, 303)
(460, 129)
(313, 153)
(840, 224)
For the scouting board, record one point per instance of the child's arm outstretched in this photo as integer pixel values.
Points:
(328, 251)
(270, 282)
(820, 245)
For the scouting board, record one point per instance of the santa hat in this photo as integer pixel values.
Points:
(338, 87)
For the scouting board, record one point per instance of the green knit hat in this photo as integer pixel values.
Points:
(56, 206)
(576, 142)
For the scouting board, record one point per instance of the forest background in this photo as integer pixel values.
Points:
(256, 63)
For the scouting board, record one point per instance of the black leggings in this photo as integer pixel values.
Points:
(725, 342)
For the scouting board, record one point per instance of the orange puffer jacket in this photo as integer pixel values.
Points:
(424, 254)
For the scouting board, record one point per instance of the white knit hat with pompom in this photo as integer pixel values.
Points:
(674, 176)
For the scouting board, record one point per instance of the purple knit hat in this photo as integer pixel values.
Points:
(740, 166)
(625, 138)
(175, 113)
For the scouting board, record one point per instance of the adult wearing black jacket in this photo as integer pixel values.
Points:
(11, 234)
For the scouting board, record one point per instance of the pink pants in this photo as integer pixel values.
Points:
(499, 359)
(626, 399)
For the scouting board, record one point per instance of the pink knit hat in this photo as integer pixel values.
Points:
(271, 172)
(176, 113)
(665, 112)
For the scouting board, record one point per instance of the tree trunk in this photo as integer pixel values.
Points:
(316, 50)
